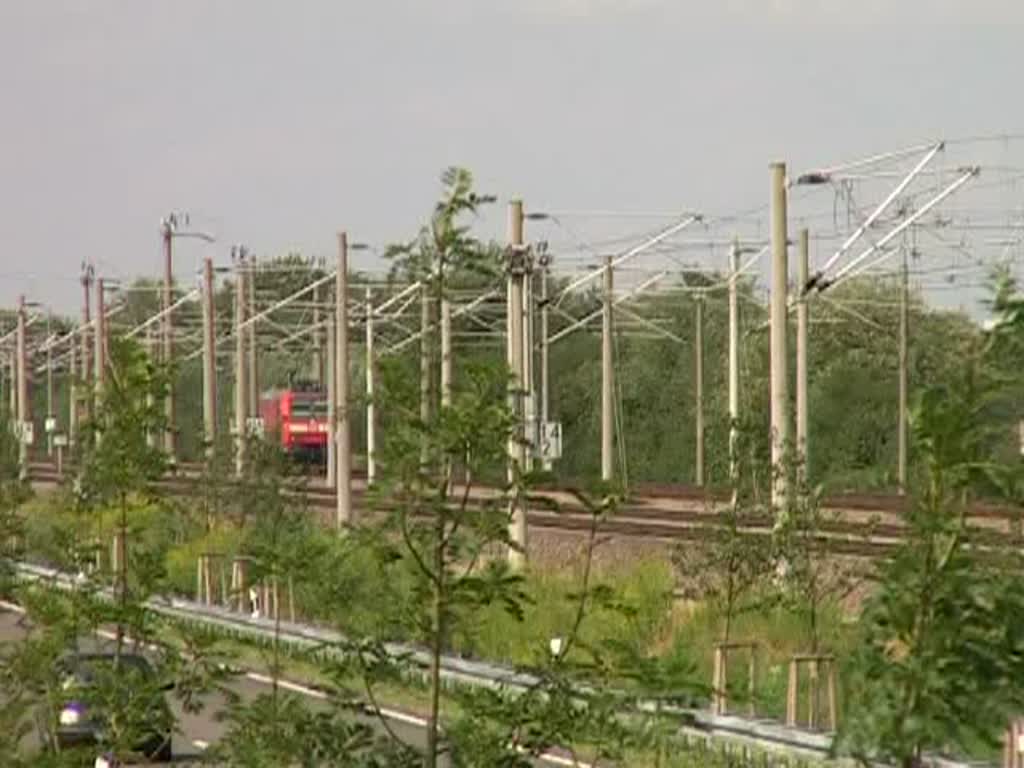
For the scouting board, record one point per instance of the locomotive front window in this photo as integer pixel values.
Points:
(309, 409)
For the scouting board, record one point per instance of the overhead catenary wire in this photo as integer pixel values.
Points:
(847, 270)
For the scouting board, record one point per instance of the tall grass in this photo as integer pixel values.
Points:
(341, 582)
(633, 608)
(778, 632)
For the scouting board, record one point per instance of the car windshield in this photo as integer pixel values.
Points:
(84, 669)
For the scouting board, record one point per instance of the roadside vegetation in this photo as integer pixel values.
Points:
(929, 643)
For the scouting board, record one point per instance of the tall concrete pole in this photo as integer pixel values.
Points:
(253, 378)
(803, 273)
(734, 359)
(100, 340)
(209, 359)
(241, 371)
(13, 371)
(332, 404)
(777, 321)
(607, 377)
(153, 352)
(514, 313)
(904, 331)
(318, 350)
(49, 384)
(530, 403)
(100, 351)
(343, 483)
(170, 435)
(86, 342)
(545, 403)
(371, 419)
(698, 370)
(509, 351)
(72, 393)
(446, 352)
(425, 340)
(23, 404)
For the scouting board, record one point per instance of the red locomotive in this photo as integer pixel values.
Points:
(298, 418)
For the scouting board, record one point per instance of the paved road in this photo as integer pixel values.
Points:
(198, 731)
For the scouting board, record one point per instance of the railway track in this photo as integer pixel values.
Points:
(865, 525)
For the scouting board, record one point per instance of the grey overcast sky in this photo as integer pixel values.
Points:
(276, 123)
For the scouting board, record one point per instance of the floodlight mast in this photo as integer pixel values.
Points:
(778, 378)
(22, 390)
(174, 225)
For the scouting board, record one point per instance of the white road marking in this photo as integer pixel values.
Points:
(550, 757)
(394, 714)
(108, 635)
(287, 685)
(313, 693)
(305, 690)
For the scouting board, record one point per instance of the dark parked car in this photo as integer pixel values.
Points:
(97, 686)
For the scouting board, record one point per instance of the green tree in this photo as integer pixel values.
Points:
(16, 699)
(727, 568)
(278, 727)
(115, 473)
(813, 578)
(14, 491)
(119, 466)
(942, 651)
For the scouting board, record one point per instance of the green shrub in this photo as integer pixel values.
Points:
(347, 585)
(630, 606)
(779, 632)
(182, 559)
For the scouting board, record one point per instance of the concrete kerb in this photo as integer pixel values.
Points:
(762, 734)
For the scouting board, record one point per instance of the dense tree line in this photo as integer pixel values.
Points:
(937, 649)
(853, 364)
